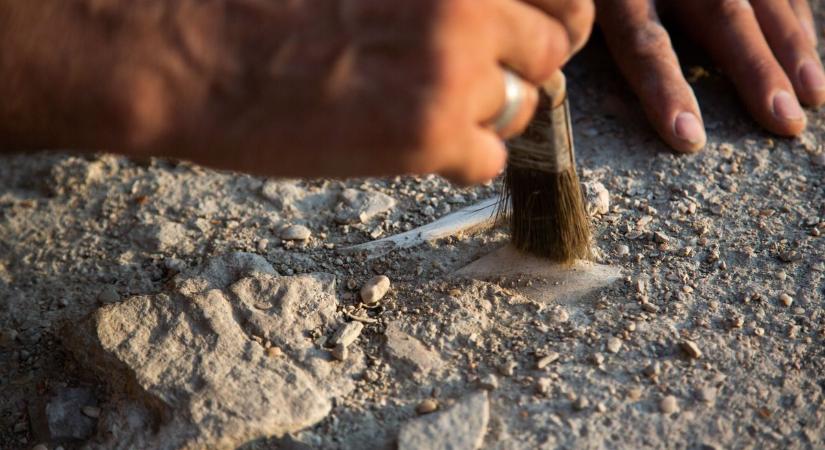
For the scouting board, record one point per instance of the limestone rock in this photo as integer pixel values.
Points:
(296, 233)
(598, 198)
(188, 357)
(362, 206)
(408, 353)
(461, 427)
(375, 289)
(163, 236)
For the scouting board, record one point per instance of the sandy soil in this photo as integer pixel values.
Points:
(723, 249)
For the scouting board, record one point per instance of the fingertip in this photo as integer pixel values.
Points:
(811, 82)
(484, 161)
(789, 118)
(688, 132)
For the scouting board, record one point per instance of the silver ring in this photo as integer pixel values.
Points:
(513, 99)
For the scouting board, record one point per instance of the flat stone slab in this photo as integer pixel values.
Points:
(222, 359)
(462, 427)
(539, 279)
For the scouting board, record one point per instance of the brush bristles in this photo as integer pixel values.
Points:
(547, 213)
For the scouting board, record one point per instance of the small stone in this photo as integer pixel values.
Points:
(622, 250)
(691, 349)
(340, 352)
(759, 331)
(600, 407)
(614, 344)
(274, 352)
(20, 427)
(650, 307)
(652, 370)
(598, 198)
(669, 405)
(786, 299)
(737, 322)
(818, 159)
(546, 360)
(597, 359)
(262, 245)
(707, 394)
(543, 386)
(581, 403)
(108, 295)
(296, 233)
(347, 334)
(634, 393)
(427, 406)
(488, 383)
(91, 411)
(375, 289)
(40, 447)
(660, 237)
(507, 368)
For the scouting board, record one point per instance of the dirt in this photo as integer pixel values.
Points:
(710, 246)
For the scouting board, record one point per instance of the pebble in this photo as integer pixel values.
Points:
(597, 359)
(786, 299)
(669, 405)
(614, 344)
(91, 411)
(544, 361)
(691, 349)
(707, 394)
(347, 334)
(488, 383)
(262, 245)
(634, 393)
(622, 250)
(652, 370)
(600, 407)
(507, 368)
(20, 427)
(274, 352)
(650, 307)
(296, 233)
(427, 406)
(543, 386)
(581, 404)
(375, 289)
(340, 352)
(108, 295)
(759, 331)
(40, 447)
(818, 159)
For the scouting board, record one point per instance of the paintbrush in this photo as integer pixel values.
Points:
(541, 190)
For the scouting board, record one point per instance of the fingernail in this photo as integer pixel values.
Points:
(688, 128)
(785, 107)
(811, 76)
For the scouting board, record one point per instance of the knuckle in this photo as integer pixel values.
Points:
(580, 15)
(552, 49)
(725, 10)
(650, 40)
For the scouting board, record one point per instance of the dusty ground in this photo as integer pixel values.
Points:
(707, 244)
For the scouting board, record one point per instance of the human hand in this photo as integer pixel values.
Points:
(312, 88)
(766, 47)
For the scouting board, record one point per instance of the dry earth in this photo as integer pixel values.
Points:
(166, 305)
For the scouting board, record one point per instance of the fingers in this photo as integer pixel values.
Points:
(793, 49)
(530, 42)
(482, 158)
(575, 15)
(729, 31)
(806, 19)
(643, 52)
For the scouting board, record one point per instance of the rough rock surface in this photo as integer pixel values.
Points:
(462, 427)
(363, 206)
(408, 353)
(196, 356)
